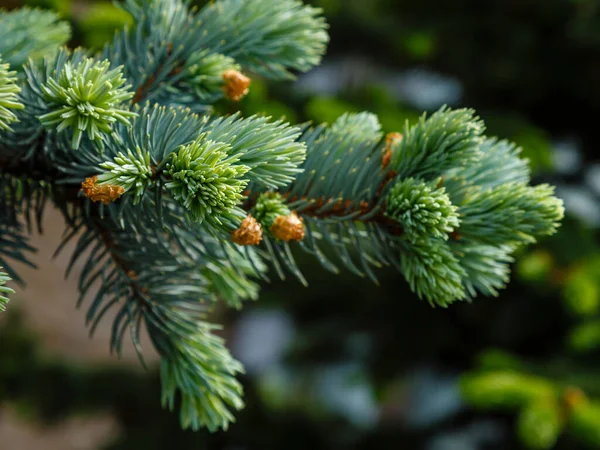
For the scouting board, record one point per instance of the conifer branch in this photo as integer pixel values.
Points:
(175, 210)
(4, 278)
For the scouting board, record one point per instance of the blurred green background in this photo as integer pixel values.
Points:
(345, 364)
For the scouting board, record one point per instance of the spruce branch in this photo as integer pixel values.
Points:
(268, 207)
(522, 213)
(31, 33)
(487, 267)
(272, 38)
(231, 279)
(204, 75)
(270, 148)
(194, 362)
(8, 96)
(207, 181)
(202, 371)
(409, 219)
(170, 295)
(433, 271)
(4, 278)
(423, 209)
(164, 33)
(86, 98)
(442, 203)
(445, 140)
(129, 172)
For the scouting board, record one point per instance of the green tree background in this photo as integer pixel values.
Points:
(345, 364)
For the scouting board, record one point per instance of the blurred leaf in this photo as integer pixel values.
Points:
(332, 7)
(392, 120)
(421, 44)
(499, 360)
(100, 22)
(584, 422)
(504, 389)
(328, 109)
(258, 92)
(63, 7)
(258, 101)
(575, 242)
(585, 337)
(535, 266)
(581, 292)
(376, 97)
(540, 424)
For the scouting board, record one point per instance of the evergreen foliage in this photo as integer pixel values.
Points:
(8, 96)
(204, 74)
(268, 207)
(422, 209)
(128, 171)
(206, 181)
(86, 98)
(433, 271)
(4, 291)
(446, 140)
(31, 33)
(153, 192)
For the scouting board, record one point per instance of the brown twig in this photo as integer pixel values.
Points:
(339, 208)
(142, 91)
(109, 243)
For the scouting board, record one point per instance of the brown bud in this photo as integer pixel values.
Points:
(288, 228)
(236, 85)
(132, 274)
(390, 141)
(440, 182)
(573, 397)
(104, 193)
(456, 236)
(249, 232)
